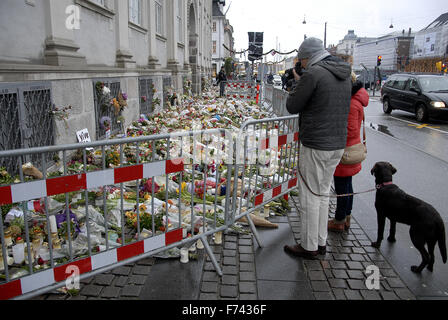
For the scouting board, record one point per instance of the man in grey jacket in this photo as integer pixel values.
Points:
(322, 100)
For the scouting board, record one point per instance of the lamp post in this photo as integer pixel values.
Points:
(325, 33)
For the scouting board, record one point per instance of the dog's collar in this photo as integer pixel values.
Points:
(379, 186)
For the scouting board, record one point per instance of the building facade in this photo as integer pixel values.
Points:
(347, 45)
(222, 35)
(432, 41)
(65, 48)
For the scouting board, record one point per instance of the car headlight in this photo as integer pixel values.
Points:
(438, 104)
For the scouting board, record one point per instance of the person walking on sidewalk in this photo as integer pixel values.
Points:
(222, 81)
(322, 98)
(344, 172)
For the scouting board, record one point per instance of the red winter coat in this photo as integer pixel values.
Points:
(359, 100)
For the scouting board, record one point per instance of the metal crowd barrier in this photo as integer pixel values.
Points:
(244, 90)
(84, 220)
(274, 100)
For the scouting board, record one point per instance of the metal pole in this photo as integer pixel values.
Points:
(325, 36)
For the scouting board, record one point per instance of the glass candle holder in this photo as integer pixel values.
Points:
(266, 211)
(184, 255)
(218, 238)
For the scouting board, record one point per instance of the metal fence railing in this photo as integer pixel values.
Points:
(243, 90)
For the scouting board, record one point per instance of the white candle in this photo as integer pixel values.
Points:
(218, 238)
(18, 252)
(53, 224)
(266, 211)
(184, 255)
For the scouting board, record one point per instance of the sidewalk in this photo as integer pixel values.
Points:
(254, 273)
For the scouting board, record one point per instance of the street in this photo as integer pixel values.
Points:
(418, 152)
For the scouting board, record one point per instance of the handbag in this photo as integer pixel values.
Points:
(357, 153)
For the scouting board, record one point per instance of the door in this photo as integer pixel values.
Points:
(409, 96)
(397, 92)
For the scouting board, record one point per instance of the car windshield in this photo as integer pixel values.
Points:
(434, 84)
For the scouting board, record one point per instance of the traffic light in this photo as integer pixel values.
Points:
(378, 60)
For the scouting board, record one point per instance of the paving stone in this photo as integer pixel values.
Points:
(246, 249)
(229, 291)
(208, 296)
(217, 249)
(349, 237)
(245, 242)
(331, 249)
(230, 245)
(370, 295)
(320, 286)
(229, 280)
(312, 265)
(229, 253)
(328, 273)
(358, 250)
(295, 224)
(355, 265)
(208, 266)
(245, 236)
(56, 297)
(340, 274)
(120, 281)
(376, 257)
(341, 257)
(210, 276)
(388, 273)
(364, 243)
(78, 297)
(248, 287)
(141, 270)
(355, 274)
(91, 290)
(131, 291)
(325, 264)
(370, 249)
(248, 276)
(231, 238)
(296, 229)
(345, 250)
(147, 261)
(229, 261)
(247, 257)
(323, 296)
(111, 292)
(137, 279)
(356, 231)
(395, 283)
(87, 280)
(230, 270)
(248, 296)
(357, 257)
(315, 275)
(383, 265)
(337, 283)
(209, 287)
(353, 295)
(104, 279)
(338, 265)
(356, 284)
(122, 271)
(386, 295)
(217, 257)
(247, 266)
(404, 294)
(347, 243)
(339, 294)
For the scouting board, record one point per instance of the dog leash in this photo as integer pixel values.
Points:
(331, 195)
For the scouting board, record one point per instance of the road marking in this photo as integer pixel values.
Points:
(423, 126)
(412, 123)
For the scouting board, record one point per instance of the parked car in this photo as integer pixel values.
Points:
(422, 94)
(277, 80)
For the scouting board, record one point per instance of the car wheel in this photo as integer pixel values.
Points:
(421, 113)
(386, 106)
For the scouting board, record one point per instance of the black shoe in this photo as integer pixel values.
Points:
(298, 251)
(322, 250)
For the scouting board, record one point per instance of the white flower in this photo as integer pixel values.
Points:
(106, 91)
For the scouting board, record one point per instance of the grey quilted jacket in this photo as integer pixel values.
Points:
(322, 100)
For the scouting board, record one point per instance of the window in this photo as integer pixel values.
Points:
(180, 28)
(214, 47)
(214, 26)
(99, 2)
(412, 84)
(159, 17)
(135, 10)
(400, 83)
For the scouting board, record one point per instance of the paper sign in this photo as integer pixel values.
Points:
(83, 136)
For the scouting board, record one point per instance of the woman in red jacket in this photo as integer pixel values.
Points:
(344, 173)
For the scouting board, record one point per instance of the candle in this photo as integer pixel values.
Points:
(53, 224)
(199, 244)
(2, 264)
(8, 238)
(218, 238)
(184, 255)
(266, 211)
(18, 251)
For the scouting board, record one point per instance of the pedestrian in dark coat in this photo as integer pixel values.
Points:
(344, 172)
(222, 81)
(322, 99)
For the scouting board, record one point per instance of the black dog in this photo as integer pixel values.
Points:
(393, 203)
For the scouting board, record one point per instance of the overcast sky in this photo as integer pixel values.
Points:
(283, 19)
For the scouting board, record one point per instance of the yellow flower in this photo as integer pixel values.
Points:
(147, 197)
(143, 208)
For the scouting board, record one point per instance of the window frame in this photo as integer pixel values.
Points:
(159, 15)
